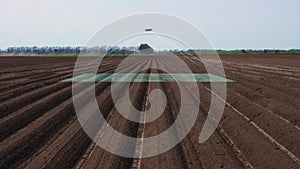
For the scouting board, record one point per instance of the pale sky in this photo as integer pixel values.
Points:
(229, 24)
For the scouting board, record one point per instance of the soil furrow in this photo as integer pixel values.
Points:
(29, 139)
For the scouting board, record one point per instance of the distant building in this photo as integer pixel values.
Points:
(145, 49)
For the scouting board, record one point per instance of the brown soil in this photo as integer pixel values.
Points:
(259, 127)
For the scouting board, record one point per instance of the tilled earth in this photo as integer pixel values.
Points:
(260, 127)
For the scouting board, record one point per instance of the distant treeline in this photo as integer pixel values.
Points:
(239, 51)
(251, 51)
(112, 50)
(115, 50)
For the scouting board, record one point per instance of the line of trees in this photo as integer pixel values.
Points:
(68, 50)
(129, 50)
(238, 51)
(253, 51)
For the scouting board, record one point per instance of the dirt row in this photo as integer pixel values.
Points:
(277, 130)
(17, 118)
(259, 128)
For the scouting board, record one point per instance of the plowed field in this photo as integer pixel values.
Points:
(260, 127)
